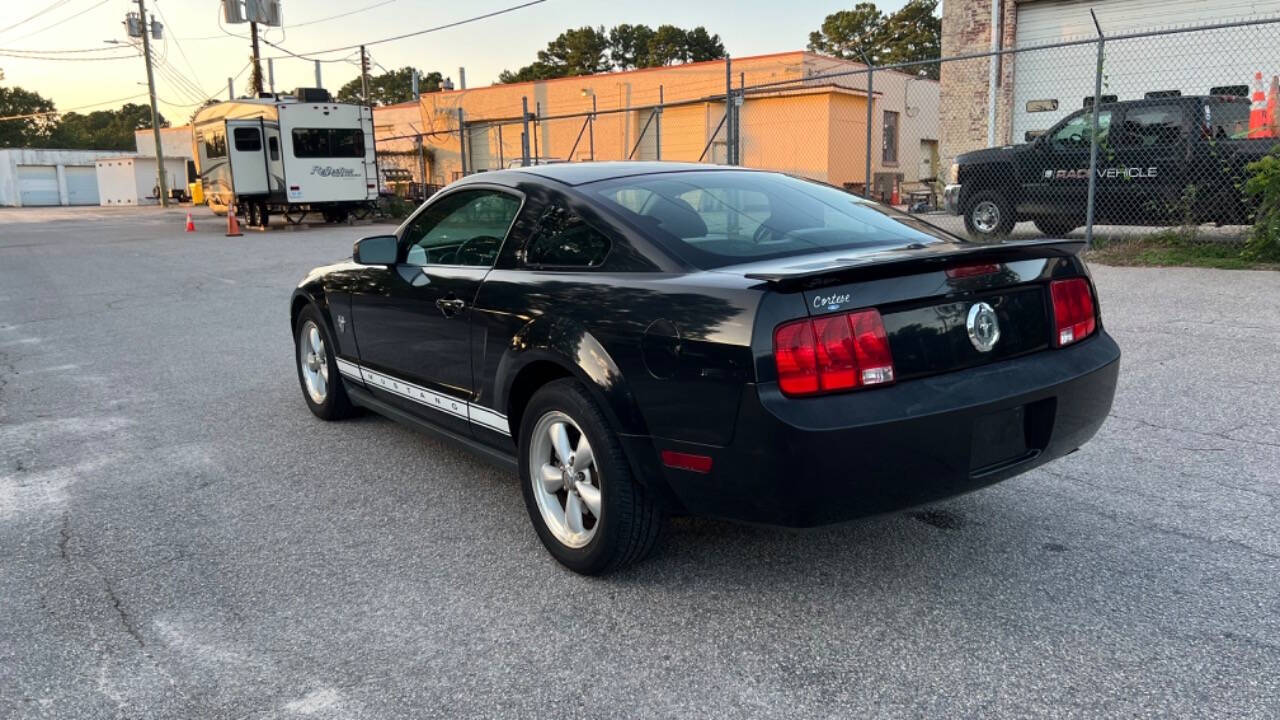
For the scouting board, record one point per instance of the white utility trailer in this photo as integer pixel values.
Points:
(133, 181)
(287, 154)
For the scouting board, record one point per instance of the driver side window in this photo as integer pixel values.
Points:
(464, 228)
(1075, 134)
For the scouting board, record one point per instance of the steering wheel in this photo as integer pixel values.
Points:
(762, 234)
(476, 251)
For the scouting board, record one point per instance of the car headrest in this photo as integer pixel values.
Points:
(676, 217)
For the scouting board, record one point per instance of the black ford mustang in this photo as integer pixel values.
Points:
(644, 338)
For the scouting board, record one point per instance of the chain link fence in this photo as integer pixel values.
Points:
(1108, 137)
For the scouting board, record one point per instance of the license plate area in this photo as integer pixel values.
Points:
(998, 439)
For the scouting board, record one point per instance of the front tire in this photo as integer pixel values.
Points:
(590, 512)
(316, 359)
(989, 216)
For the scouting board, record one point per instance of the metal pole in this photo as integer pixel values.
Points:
(255, 75)
(462, 143)
(271, 76)
(657, 129)
(993, 73)
(364, 77)
(155, 114)
(591, 129)
(318, 83)
(1093, 136)
(537, 113)
(524, 136)
(728, 110)
(866, 189)
(462, 78)
(737, 118)
(231, 89)
(502, 161)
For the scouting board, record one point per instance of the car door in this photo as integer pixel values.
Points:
(1055, 177)
(413, 322)
(1149, 171)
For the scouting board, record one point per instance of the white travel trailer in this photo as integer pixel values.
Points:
(287, 154)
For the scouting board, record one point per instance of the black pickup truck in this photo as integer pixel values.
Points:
(1160, 162)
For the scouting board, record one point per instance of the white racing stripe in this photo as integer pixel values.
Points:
(475, 414)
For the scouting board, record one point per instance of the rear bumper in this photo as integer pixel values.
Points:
(951, 199)
(823, 460)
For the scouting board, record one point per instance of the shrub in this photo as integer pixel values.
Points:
(1263, 188)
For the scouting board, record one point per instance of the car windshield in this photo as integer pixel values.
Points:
(718, 218)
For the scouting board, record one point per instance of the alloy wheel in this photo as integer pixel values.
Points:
(986, 216)
(314, 362)
(566, 480)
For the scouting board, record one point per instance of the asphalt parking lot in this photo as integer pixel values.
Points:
(181, 538)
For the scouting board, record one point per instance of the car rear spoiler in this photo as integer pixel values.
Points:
(920, 258)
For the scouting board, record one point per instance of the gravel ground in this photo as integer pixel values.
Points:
(182, 539)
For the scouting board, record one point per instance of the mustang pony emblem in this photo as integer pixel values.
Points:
(983, 327)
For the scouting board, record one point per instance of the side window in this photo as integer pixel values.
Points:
(309, 143)
(562, 239)
(1152, 125)
(273, 147)
(247, 139)
(1075, 134)
(463, 228)
(215, 144)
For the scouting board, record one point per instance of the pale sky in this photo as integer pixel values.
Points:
(197, 53)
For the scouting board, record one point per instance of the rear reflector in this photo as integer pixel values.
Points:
(1074, 318)
(831, 353)
(686, 461)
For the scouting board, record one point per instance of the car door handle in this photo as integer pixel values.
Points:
(450, 306)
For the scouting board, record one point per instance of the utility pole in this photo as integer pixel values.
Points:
(155, 115)
(255, 76)
(364, 76)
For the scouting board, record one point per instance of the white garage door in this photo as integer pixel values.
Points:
(38, 184)
(82, 185)
(1136, 67)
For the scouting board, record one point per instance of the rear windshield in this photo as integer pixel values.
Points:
(718, 218)
(1227, 119)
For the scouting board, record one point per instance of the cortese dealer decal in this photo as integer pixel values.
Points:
(325, 171)
(1131, 173)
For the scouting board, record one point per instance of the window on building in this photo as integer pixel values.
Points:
(1231, 90)
(328, 142)
(563, 239)
(1104, 99)
(247, 139)
(890, 153)
(1163, 94)
(1042, 105)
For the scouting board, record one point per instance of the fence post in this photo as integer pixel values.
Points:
(537, 113)
(462, 143)
(728, 110)
(866, 189)
(1093, 137)
(591, 129)
(524, 135)
(657, 129)
(737, 118)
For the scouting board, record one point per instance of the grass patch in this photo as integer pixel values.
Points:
(1174, 248)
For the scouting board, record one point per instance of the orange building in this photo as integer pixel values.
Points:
(793, 119)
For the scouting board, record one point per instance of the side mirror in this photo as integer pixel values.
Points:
(375, 250)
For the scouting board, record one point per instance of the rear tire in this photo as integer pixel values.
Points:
(315, 355)
(1056, 227)
(989, 216)
(560, 493)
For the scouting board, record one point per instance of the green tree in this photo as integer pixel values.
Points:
(103, 129)
(24, 131)
(586, 51)
(391, 87)
(912, 33)
(629, 46)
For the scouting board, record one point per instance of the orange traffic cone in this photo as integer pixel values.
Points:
(896, 197)
(1258, 111)
(233, 225)
(191, 227)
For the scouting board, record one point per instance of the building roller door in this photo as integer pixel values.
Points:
(82, 185)
(38, 185)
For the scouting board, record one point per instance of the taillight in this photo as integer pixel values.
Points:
(1074, 318)
(833, 352)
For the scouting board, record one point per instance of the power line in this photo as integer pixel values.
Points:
(437, 28)
(80, 107)
(182, 52)
(62, 21)
(69, 59)
(56, 4)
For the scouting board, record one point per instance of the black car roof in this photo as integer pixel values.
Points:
(581, 173)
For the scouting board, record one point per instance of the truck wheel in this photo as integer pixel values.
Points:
(592, 514)
(989, 216)
(1056, 227)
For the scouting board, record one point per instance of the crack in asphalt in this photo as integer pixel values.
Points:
(125, 619)
(1220, 436)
